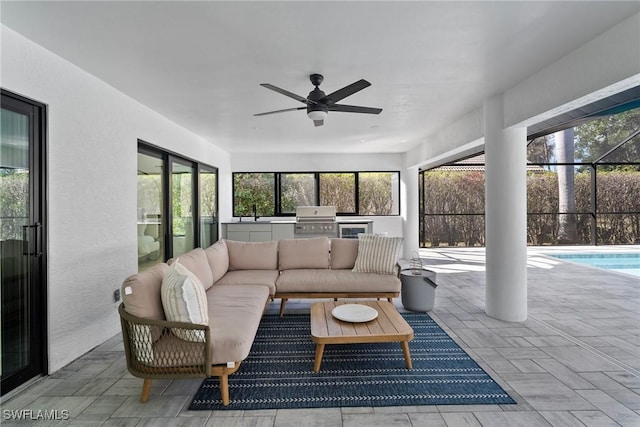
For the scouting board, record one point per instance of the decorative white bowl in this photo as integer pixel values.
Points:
(355, 313)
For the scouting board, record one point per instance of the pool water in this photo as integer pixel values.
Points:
(627, 262)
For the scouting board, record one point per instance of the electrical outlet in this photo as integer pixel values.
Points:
(116, 295)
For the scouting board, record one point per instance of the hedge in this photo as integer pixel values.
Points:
(453, 208)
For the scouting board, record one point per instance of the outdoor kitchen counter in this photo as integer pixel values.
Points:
(264, 230)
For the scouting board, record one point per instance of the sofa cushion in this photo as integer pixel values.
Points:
(196, 262)
(141, 293)
(218, 256)
(303, 253)
(184, 299)
(234, 316)
(336, 281)
(252, 255)
(377, 254)
(343, 253)
(251, 277)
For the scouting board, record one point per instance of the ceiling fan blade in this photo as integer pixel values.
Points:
(281, 111)
(318, 122)
(336, 96)
(286, 93)
(354, 109)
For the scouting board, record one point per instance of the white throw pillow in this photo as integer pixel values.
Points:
(184, 300)
(377, 254)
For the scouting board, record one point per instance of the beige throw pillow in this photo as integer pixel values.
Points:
(184, 300)
(377, 254)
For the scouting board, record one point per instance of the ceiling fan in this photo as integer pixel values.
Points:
(318, 104)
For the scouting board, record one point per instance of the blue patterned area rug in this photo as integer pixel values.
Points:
(279, 373)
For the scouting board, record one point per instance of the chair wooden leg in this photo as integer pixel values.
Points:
(283, 302)
(146, 388)
(224, 389)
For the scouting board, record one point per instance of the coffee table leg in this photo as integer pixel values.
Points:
(407, 354)
(318, 361)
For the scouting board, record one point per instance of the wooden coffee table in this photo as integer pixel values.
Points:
(389, 326)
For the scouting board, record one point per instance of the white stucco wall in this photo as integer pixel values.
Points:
(92, 192)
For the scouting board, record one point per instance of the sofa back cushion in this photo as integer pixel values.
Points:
(196, 262)
(141, 293)
(343, 253)
(252, 255)
(303, 253)
(218, 256)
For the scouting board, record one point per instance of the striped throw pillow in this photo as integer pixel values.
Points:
(377, 254)
(184, 300)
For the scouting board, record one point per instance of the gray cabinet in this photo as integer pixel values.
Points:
(257, 232)
(282, 231)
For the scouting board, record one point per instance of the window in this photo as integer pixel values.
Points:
(339, 190)
(352, 193)
(296, 189)
(177, 205)
(253, 194)
(378, 193)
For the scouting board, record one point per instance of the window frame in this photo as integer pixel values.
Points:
(168, 158)
(277, 190)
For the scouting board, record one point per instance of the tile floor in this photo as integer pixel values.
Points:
(574, 362)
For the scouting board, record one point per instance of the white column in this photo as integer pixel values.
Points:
(411, 223)
(506, 216)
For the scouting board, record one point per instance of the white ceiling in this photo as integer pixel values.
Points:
(200, 63)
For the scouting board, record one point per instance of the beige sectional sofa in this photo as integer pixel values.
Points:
(239, 279)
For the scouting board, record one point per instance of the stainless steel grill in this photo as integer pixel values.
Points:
(316, 221)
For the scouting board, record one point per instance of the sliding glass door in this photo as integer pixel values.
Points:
(22, 240)
(151, 247)
(182, 206)
(177, 205)
(208, 204)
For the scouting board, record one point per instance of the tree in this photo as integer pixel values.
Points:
(597, 137)
(566, 188)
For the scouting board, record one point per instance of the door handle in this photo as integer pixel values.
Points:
(29, 232)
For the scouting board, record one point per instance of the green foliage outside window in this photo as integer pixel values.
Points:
(254, 189)
(338, 189)
(14, 205)
(182, 200)
(377, 192)
(297, 189)
(596, 138)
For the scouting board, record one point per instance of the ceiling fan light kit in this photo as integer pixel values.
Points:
(318, 104)
(317, 114)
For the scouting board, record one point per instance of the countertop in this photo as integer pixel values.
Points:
(293, 221)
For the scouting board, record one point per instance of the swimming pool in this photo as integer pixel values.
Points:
(627, 262)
